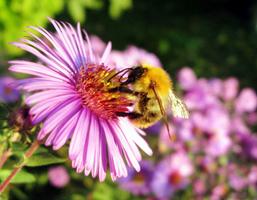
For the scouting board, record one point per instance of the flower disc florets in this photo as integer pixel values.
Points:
(93, 85)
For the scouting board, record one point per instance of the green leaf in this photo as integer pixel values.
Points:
(93, 4)
(42, 159)
(109, 191)
(117, 7)
(18, 149)
(77, 10)
(21, 177)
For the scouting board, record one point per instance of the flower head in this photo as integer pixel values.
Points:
(133, 56)
(69, 94)
(138, 182)
(171, 174)
(246, 101)
(186, 78)
(8, 92)
(58, 176)
(230, 88)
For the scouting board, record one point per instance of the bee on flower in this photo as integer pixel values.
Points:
(68, 94)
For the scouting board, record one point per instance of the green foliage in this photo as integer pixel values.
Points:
(22, 177)
(42, 159)
(77, 8)
(118, 6)
(15, 15)
(110, 191)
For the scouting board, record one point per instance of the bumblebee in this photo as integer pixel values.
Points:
(153, 92)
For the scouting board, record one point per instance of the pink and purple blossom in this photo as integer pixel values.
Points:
(58, 176)
(171, 174)
(230, 88)
(67, 93)
(138, 183)
(246, 101)
(132, 56)
(8, 92)
(186, 78)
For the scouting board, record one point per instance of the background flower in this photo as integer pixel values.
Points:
(58, 176)
(8, 92)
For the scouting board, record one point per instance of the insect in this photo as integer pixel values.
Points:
(153, 91)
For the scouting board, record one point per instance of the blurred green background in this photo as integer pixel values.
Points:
(215, 37)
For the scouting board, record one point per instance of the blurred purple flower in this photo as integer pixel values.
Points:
(8, 92)
(186, 78)
(137, 56)
(246, 101)
(155, 129)
(199, 187)
(66, 94)
(165, 143)
(132, 56)
(58, 176)
(237, 182)
(199, 97)
(138, 183)
(185, 130)
(117, 59)
(218, 145)
(217, 121)
(252, 118)
(198, 120)
(215, 86)
(98, 45)
(238, 126)
(171, 174)
(249, 145)
(218, 192)
(230, 88)
(252, 176)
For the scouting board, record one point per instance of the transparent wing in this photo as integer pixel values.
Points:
(178, 108)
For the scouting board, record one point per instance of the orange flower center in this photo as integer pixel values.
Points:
(7, 90)
(139, 178)
(175, 178)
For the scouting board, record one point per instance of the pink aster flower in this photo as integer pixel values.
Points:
(8, 92)
(133, 56)
(186, 78)
(138, 183)
(58, 176)
(69, 95)
(230, 88)
(246, 101)
(171, 174)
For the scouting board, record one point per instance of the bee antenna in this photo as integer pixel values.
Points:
(164, 115)
(123, 70)
(129, 69)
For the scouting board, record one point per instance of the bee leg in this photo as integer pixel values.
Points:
(130, 115)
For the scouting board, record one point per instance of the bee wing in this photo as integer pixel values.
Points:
(178, 108)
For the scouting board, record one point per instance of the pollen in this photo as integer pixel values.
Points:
(93, 85)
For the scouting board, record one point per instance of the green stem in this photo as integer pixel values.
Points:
(27, 155)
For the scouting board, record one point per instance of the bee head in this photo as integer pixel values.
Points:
(135, 74)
